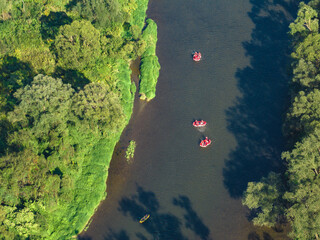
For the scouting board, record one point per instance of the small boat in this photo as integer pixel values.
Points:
(196, 56)
(205, 143)
(199, 123)
(145, 217)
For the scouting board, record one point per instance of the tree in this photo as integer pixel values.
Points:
(305, 109)
(42, 114)
(266, 198)
(101, 13)
(304, 213)
(306, 21)
(99, 109)
(306, 74)
(50, 24)
(25, 178)
(303, 160)
(78, 45)
(309, 50)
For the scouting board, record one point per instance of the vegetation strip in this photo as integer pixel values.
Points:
(294, 196)
(65, 97)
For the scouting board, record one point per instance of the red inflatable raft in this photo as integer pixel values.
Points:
(197, 56)
(205, 143)
(200, 123)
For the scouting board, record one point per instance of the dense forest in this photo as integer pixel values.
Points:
(65, 97)
(294, 196)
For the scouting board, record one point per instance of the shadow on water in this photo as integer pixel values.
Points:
(160, 226)
(83, 238)
(255, 236)
(193, 222)
(256, 117)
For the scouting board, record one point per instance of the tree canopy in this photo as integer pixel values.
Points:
(65, 97)
(296, 192)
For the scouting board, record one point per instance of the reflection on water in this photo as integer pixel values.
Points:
(239, 88)
(160, 225)
(255, 119)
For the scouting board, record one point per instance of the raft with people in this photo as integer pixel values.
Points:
(199, 123)
(196, 56)
(205, 143)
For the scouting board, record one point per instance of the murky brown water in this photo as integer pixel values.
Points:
(239, 89)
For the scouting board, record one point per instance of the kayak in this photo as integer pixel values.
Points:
(205, 143)
(145, 217)
(199, 123)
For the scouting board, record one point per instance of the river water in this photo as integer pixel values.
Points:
(239, 88)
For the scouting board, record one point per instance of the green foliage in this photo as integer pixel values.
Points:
(23, 222)
(304, 160)
(101, 13)
(41, 59)
(23, 9)
(130, 150)
(124, 87)
(309, 49)
(149, 35)
(304, 213)
(149, 67)
(306, 75)
(149, 75)
(305, 23)
(50, 24)
(14, 74)
(139, 14)
(19, 34)
(58, 133)
(266, 196)
(78, 45)
(305, 110)
(43, 106)
(301, 194)
(99, 109)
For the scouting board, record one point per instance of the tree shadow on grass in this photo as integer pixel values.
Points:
(256, 117)
(50, 24)
(73, 77)
(14, 74)
(72, 4)
(161, 226)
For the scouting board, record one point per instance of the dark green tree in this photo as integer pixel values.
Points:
(265, 197)
(99, 109)
(304, 160)
(304, 214)
(78, 45)
(42, 114)
(305, 111)
(306, 21)
(50, 24)
(101, 13)
(309, 50)
(305, 74)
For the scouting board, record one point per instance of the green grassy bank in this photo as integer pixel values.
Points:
(150, 67)
(65, 98)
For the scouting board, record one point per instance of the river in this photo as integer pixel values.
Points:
(239, 88)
